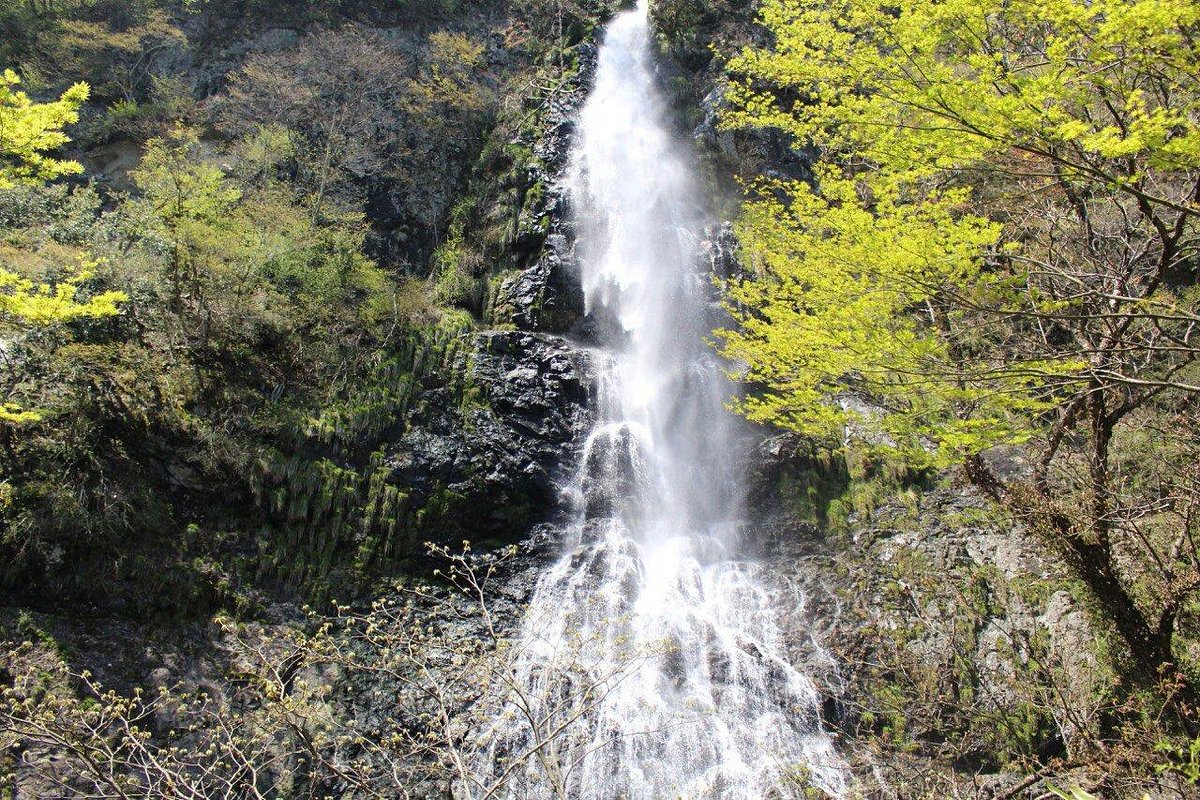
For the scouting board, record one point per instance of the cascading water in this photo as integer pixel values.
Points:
(649, 664)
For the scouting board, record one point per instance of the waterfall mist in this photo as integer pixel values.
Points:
(650, 664)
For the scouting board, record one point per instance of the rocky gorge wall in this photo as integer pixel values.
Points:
(460, 434)
(951, 653)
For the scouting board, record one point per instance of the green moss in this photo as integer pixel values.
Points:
(334, 517)
(812, 482)
(833, 487)
(455, 322)
(28, 627)
(879, 487)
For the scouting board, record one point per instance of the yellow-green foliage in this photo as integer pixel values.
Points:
(27, 303)
(30, 132)
(449, 76)
(55, 43)
(832, 312)
(30, 303)
(240, 307)
(245, 249)
(179, 184)
(890, 275)
(919, 87)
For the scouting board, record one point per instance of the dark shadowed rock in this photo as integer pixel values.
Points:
(547, 296)
(491, 465)
(720, 246)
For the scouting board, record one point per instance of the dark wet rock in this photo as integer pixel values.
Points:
(516, 578)
(764, 152)
(594, 530)
(554, 148)
(547, 296)
(708, 133)
(601, 326)
(540, 382)
(720, 246)
(613, 472)
(492, 465)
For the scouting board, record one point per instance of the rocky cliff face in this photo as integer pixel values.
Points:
(497, 461)
(951, 651)
(500, 455)
(545, 295)
(489, 415)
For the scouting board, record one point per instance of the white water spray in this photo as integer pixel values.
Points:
(650, 665)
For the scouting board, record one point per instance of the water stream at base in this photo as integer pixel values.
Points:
(650, 664)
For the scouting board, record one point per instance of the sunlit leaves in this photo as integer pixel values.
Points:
(30, 132)
(180, 184)
(885, 278)
(849, 299)
(25, 302)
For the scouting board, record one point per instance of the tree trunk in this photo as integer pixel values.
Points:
(1087, 551)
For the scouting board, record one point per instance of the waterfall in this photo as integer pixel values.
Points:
(649, 664)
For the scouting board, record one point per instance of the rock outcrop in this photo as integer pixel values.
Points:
(942, 637)
(547, 295)
(494, 462)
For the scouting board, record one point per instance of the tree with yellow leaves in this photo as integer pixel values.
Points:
(999, 244)
(29, 133)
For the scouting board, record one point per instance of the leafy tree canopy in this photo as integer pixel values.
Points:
(992, 174)
(28, 132)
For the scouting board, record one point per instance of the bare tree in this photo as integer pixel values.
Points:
(339, 95)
